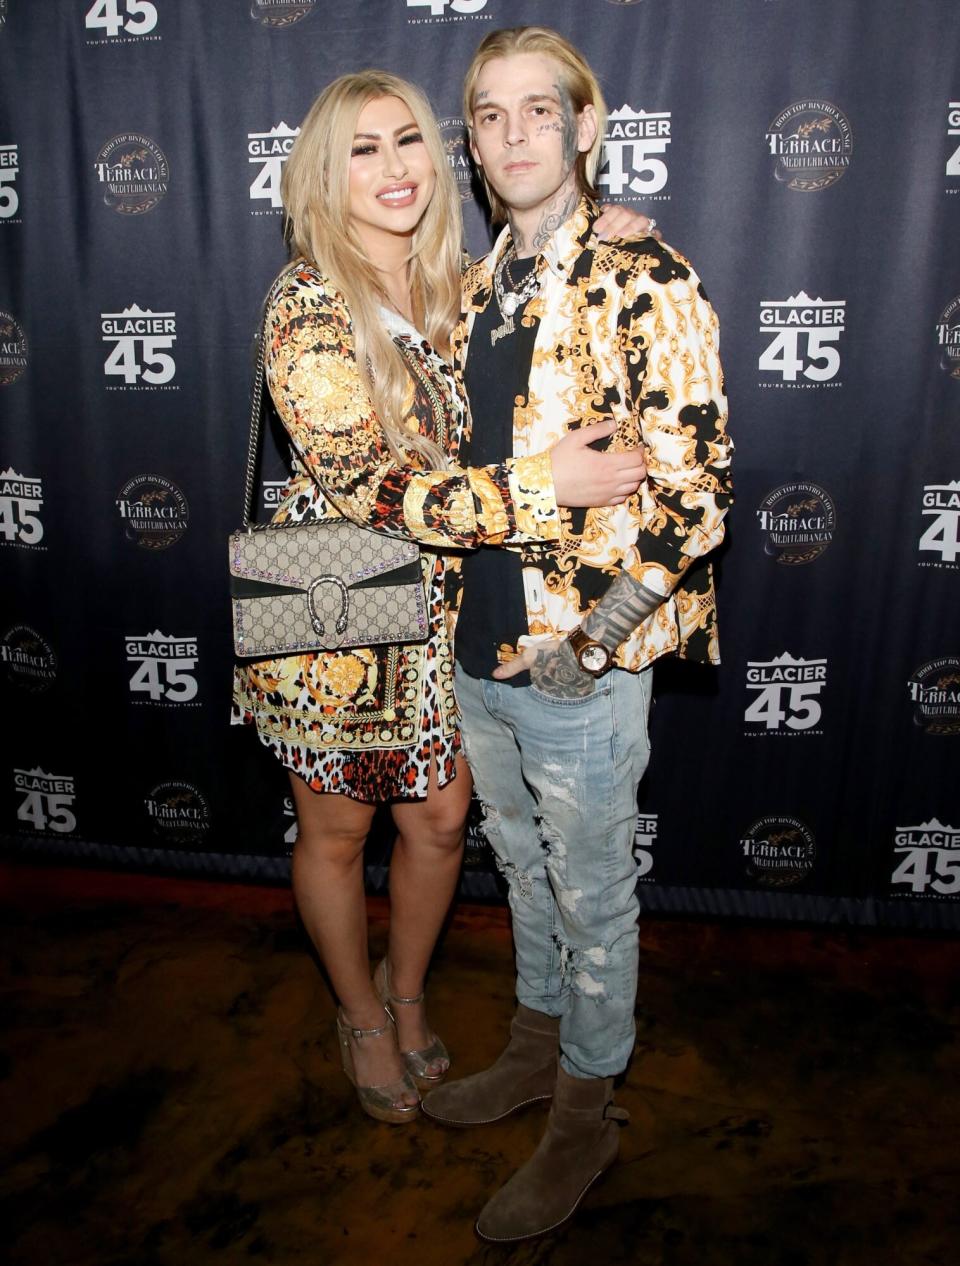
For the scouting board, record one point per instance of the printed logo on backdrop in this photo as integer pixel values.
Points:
(3, 13)
(270, 150)
(798, 521)
(133, 172)
(13, 349)
(478, 854)
(9, 197)
(447, 11)
(787, 694)
(290, 834)
(178, 812)
(948, 338)
(644, 840)
(953, 135)
(812, 143)
(21, 497)
(803, 336)
(935, 694)
(778, 851)
(141, 340)
(632, 166)
(46, 800)
(164, 669)
(453, 132)
(153, 511)
(927, 860)
(121, 22)
(281, 13)
(941, 536)
(273, 493)
(28, 659)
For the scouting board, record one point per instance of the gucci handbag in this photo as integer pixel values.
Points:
(321, 585)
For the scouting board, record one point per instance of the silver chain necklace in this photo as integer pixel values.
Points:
(509, 300)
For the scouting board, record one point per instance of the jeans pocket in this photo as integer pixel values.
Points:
(556, 701)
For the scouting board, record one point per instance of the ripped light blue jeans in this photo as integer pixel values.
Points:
(558, 781)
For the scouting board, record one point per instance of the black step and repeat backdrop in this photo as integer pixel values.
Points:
(804, 153)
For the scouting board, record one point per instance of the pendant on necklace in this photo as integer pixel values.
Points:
(510, 304)
(503, 330)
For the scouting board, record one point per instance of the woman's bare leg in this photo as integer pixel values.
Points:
(423, 876)
(328, 886)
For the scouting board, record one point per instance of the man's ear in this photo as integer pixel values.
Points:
(586, 128)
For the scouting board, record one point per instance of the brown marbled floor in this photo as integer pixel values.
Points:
(171, 1095)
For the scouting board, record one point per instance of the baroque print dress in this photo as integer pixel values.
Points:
(368, 721)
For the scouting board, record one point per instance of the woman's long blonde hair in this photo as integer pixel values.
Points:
(315, 191)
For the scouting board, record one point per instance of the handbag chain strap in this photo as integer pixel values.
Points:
(257, 412)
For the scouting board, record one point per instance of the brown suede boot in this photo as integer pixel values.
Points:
(581, 1141)
(525, 1072)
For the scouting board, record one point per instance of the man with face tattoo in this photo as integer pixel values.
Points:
(554, 644)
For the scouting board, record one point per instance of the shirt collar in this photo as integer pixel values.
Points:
(565, 247)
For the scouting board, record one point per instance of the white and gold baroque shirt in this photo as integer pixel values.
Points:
(624, 331)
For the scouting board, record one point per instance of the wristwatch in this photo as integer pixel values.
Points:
(593, 657)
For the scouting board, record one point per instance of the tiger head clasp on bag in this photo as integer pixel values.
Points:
(318, 625)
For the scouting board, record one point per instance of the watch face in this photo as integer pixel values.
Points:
(593, 659)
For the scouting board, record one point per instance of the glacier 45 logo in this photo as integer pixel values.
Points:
(142, 341)
(47, 802)
(787, 694)
(644, 839)
(138, 17)
(21, 499)
(953, 131)
(271, 150)
(941, 504)
(929, 859)
(165, 667)
(804, 336)
(631, 167)
(9, 170)
(438, 8)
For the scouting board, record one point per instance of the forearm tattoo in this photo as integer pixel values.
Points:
(621, 610)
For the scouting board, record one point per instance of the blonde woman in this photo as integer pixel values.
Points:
(358, 333)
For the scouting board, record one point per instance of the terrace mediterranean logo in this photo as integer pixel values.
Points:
(812, 143)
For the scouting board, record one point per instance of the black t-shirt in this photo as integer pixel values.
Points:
(493, 612)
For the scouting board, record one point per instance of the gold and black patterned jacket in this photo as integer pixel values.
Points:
(339, 446)
(624, 331)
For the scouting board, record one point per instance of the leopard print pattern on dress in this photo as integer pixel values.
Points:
(366, 722)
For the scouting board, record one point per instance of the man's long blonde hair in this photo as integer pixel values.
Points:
(575, 76)
(315, 191)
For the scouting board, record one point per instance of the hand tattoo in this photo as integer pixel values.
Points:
(621, 610)
(555, 672)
